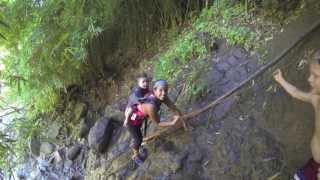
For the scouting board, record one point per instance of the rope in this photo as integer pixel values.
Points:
(235, 89)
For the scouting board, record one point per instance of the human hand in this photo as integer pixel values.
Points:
(125, 123)
(176, 119)
(277, 75)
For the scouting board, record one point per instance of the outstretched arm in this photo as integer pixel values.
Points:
(174, 108)
(153, 115)
(292, 90)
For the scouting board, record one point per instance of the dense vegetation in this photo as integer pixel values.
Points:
(49, 45)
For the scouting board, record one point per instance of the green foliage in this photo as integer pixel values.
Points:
(220, 21)
(229, 23)
(47, 46)
(48, 41)
(14, 139)
(196, 88)
(185, 48)
(52, 44)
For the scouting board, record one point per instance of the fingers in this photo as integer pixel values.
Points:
(125, 123)
(276, 72)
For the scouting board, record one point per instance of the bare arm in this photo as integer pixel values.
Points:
(292, 90)
(174, 108)
(153, 115)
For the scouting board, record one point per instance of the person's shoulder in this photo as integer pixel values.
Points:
(148, 106)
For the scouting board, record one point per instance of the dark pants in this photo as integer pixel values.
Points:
(136, 134)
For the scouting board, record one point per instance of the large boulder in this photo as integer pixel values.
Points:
(114, 113)
(73, 151)
(85, 125)
(100, 135)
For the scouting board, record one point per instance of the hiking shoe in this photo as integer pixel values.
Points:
(143, 153)
(137, 160)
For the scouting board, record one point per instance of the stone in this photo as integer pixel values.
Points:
(80, 110)
(77, 177)
(221, 110)
(73, 151)
(170, 160)
(228, 86)
(241, 75)
(238, 53)
(100, 135)
(55, 158)
(47, 148)
(114, 114)
(34, 146)
(53, 130)
(195, 156)
(53, 176)
(222, 66)
(84, 128)
(176, 161)
(252, 65)
(215, 76)
(233, 61)
(231, 75)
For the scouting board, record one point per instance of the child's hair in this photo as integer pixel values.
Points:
(316, 57)
(142, 75)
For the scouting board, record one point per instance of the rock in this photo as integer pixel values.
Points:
(241, 75)
(55, 158)
(53, 176)
(171, 160)
(77, 177)
(84, 128)
(233, 61)
(223, 67)
(215, 76)
(221, 110)
(100, 135)
(80, 110)
(252, 65)
(46, 148)
(195, 157)
(238, 53)
(114, 114)
(34, 146)
(53, 130)
(228, 86)
(73, 151)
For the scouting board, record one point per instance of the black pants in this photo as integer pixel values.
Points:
(136, 134)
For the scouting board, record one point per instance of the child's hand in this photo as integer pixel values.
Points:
(277, 75)
(125, 123)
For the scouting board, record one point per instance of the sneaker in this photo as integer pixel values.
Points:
(143, 153)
